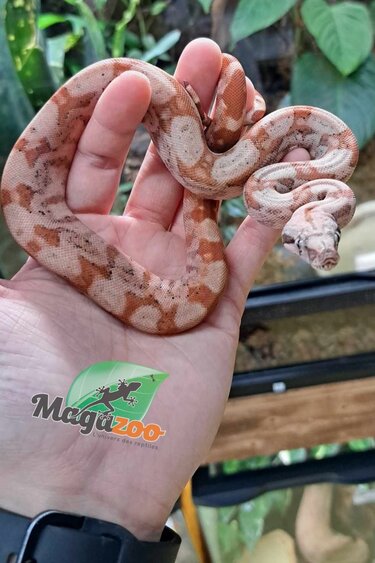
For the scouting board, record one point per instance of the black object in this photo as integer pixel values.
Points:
(293, 299)
(295, 376)
(227, 490)
(59, 537)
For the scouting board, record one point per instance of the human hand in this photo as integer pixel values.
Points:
(50, 333)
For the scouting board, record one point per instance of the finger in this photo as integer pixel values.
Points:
(250, 246)
(102, 149)
(156, 195)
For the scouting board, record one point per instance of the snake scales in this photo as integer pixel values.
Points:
(219, 159)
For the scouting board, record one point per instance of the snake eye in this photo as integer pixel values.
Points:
(287, 239)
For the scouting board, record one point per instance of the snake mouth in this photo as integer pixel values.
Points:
(328, 265)
(326, 262)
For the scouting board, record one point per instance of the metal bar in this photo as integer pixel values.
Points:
(280, 379)
(307, 297)
(227, 490)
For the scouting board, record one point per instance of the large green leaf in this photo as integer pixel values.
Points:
(15, 113)
(15, 108)
(253, 15)
(84, 388)
(343, 32)
(316, 82)
(28, 50)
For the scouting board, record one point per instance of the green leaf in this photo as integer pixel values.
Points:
(15, 109)
(120, 32)
(163, 45)
(94, 33)
(15, 113)
(37, 78)
(125, 187)
(148, 41)
(158, 7)
(84, 388)
(58, 45)
(253, 15)
(343, 32)
(253, 513)
(132, 41)
(316, 82)
(134, 54)
(236, 465)
(361, 445)
(47, 20)
(288, 457)
(206, 5)
(28, 50)
(56, 48)
(325, 450)
(229, 534)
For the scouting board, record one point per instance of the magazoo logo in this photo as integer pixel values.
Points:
(109, 397)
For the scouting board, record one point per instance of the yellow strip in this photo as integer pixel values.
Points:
(192, 524)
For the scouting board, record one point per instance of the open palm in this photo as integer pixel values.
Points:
(50, 333)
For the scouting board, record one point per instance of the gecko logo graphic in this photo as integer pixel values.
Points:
(117, 406)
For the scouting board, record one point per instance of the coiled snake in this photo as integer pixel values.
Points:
(214, 160)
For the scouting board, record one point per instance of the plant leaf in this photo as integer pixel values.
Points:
(94, 33)
(206, 5)
(361, 445)
(325, 450)
(253, 15)
(343, 32)
(47, 20)
(158, 7)
(83, 389)
(15, 113)
(316, 82)
(163, 45)
(27, 48)
(119, 34)
(55, 51)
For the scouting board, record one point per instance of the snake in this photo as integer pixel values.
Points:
(230, 153)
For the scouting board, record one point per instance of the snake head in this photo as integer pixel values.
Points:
(315, 241)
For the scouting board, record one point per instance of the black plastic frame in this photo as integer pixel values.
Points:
(295, 376)
(291, 300)
(226, 490)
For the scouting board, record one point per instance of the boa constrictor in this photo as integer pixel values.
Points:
(213, 159)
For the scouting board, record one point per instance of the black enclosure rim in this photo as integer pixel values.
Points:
(227, 490)
(295, 376)
(292, 299)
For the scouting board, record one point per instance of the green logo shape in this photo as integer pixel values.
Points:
(84, 389)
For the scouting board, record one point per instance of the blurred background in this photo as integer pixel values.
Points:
(313, 337)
